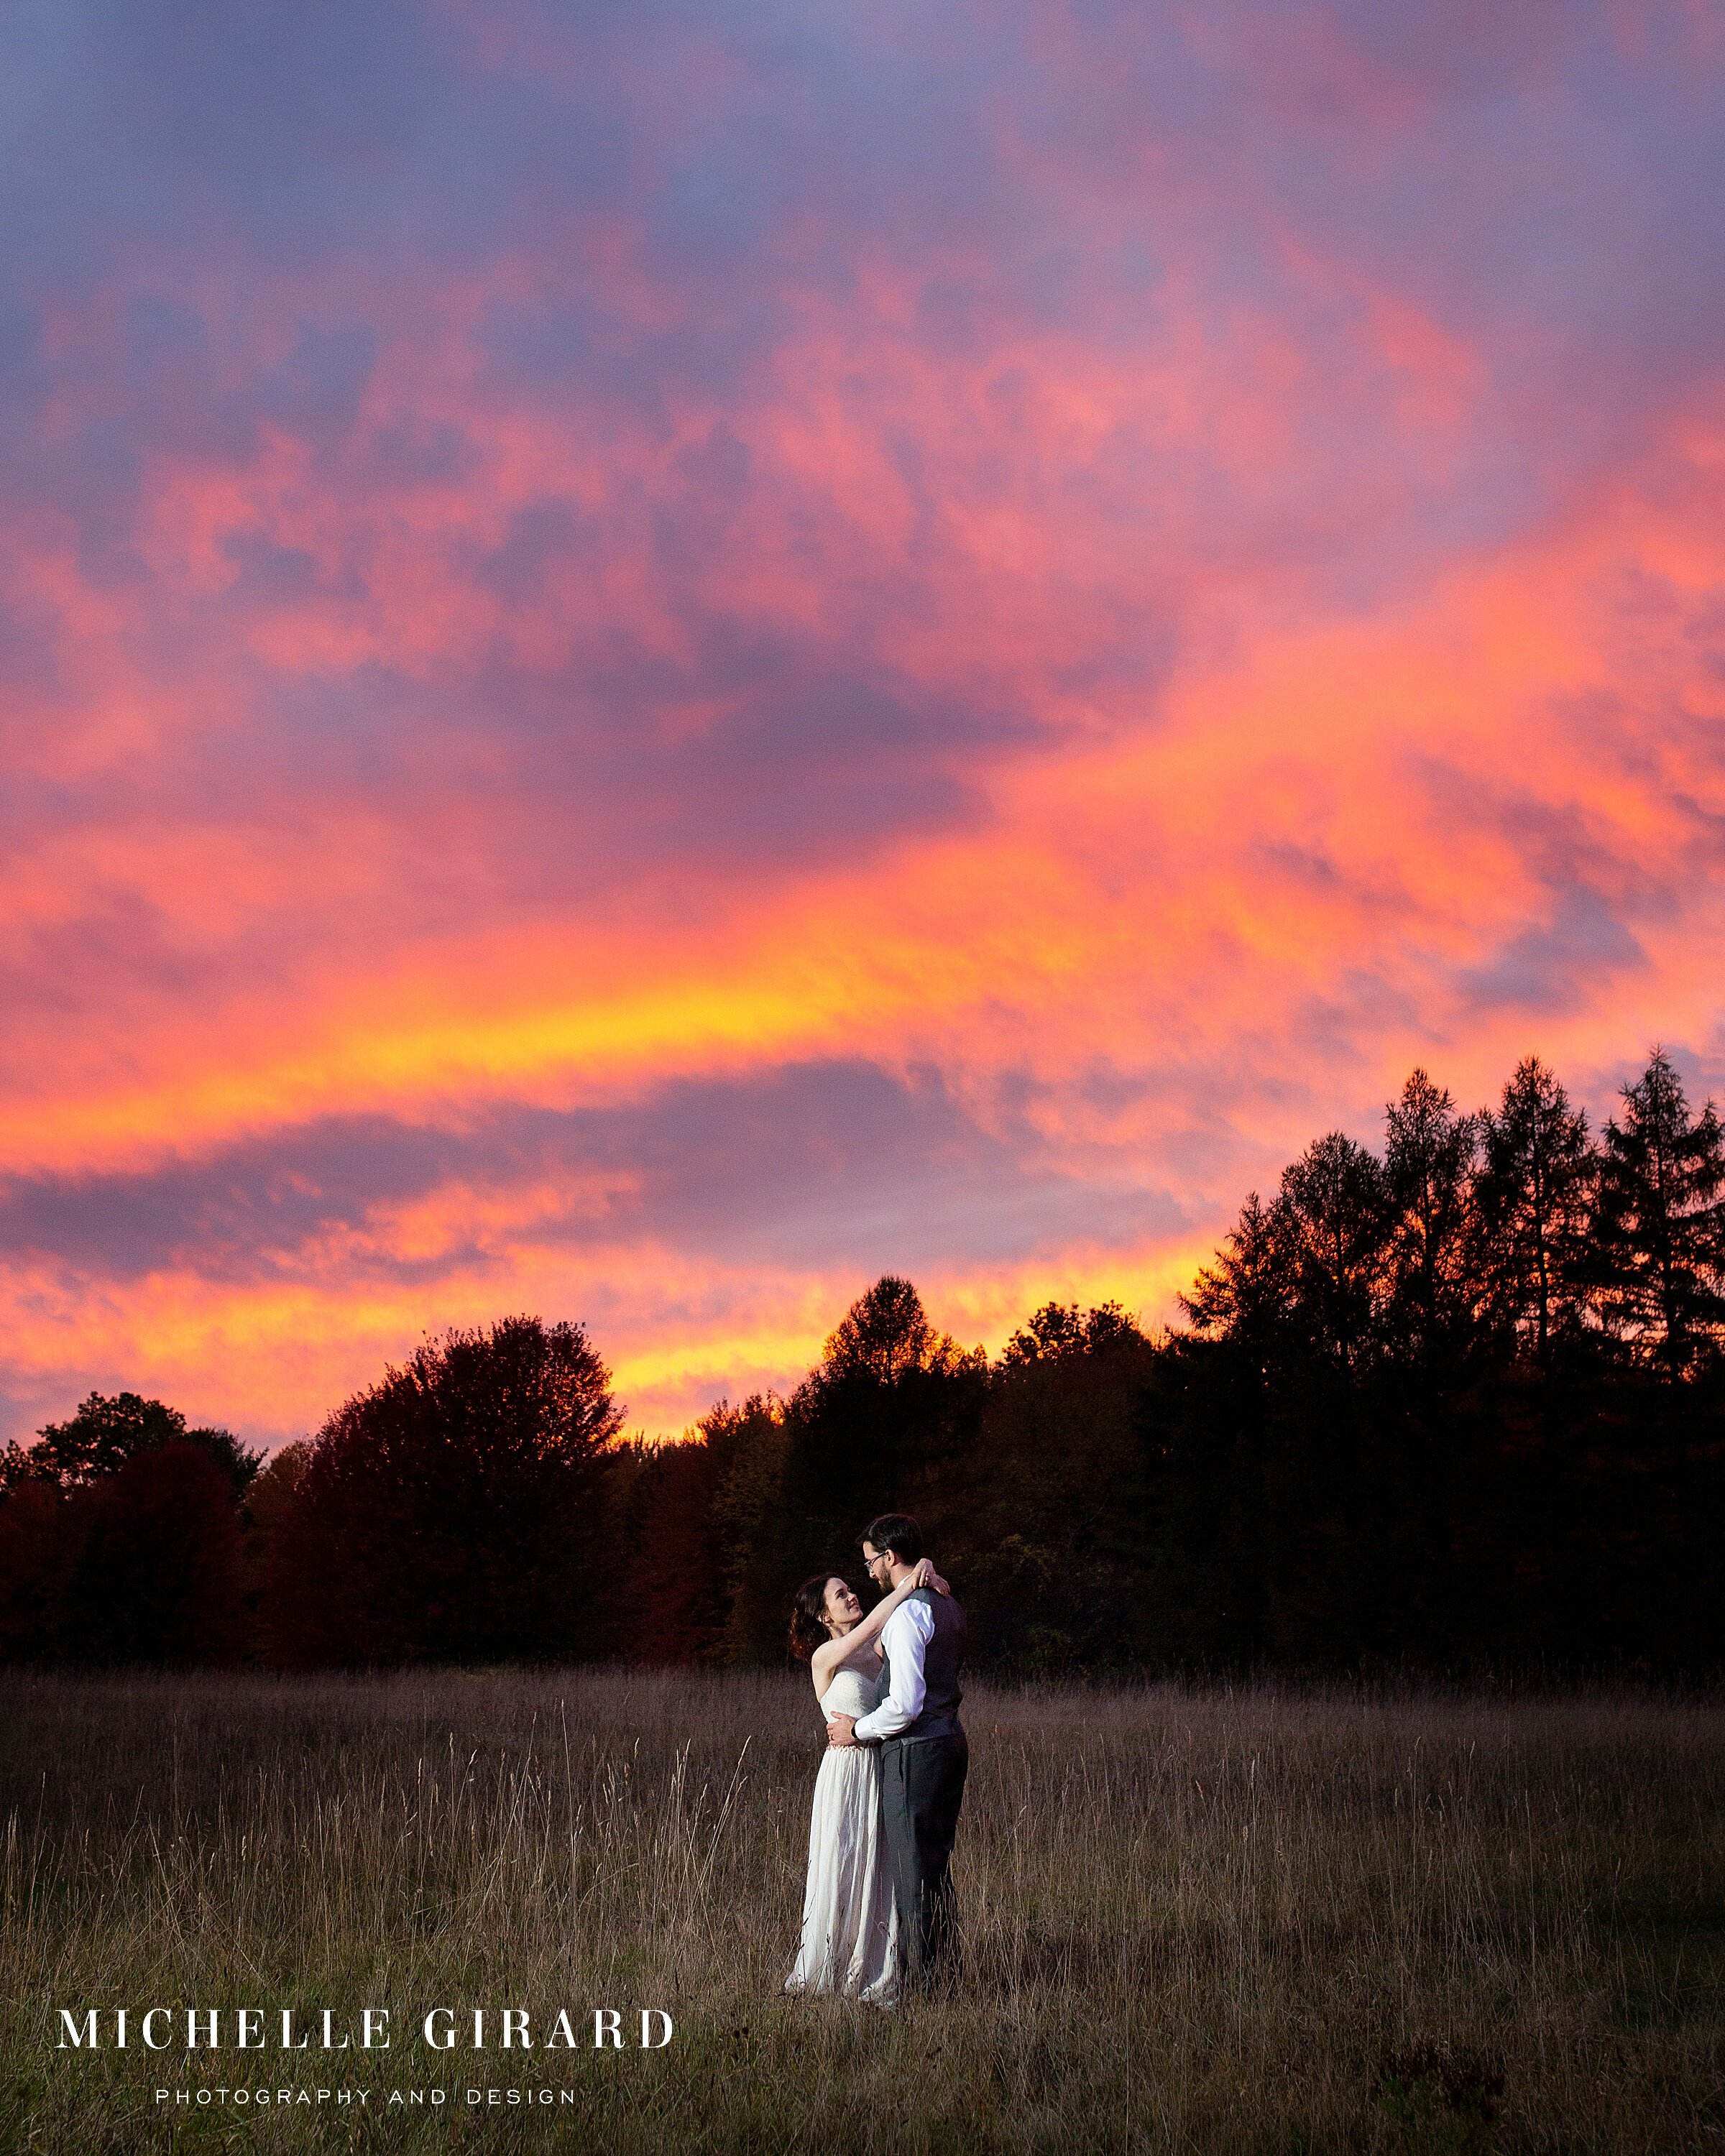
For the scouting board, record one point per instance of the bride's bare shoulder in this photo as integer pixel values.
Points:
(858, 1665)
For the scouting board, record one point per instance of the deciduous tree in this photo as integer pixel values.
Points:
(451, 1513)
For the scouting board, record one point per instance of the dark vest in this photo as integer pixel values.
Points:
(941, 1662)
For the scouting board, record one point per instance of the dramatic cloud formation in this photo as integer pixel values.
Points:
(659, 657)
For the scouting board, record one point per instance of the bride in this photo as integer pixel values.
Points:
(849, 1930)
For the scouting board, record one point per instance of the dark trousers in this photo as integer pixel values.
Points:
(921, 1787)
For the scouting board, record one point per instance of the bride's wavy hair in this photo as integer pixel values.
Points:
(808, 1614)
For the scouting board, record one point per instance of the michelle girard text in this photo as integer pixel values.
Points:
(366, 2029)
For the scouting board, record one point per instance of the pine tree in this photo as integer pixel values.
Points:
(1246, 1296)
(1306, 1270)
(1334, 1205)
(1429, 1160)
(1660, 1230)
(1534, 1192)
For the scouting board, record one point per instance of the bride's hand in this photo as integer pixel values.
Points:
(925, 1575)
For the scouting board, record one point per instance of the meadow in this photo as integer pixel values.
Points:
(1202, 1920)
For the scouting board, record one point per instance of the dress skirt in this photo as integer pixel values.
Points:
(849, 1929)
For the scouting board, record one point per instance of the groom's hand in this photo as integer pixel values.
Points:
(841, 1732)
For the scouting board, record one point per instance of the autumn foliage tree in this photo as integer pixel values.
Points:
(454, 1511)
(108, 1431)
(156, 1577)
(120, 1538)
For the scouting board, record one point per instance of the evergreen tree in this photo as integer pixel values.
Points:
(1334, 1212)
(1429, 1160)
(1659, 1232)
(1246, 1297)
(1534, 1193)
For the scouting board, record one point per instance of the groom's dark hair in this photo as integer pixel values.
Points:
(898, 1532)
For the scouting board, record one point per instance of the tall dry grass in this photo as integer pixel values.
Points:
(1235, 1922)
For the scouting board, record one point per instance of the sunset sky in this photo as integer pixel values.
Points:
(659, 657)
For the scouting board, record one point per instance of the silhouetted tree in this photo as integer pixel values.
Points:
(1534, 1196)
(37, 1554)
(1373, 1445)
(109, 1430)
(453, 1512)
(1428, 1158)
(883, 1338)
(1334, 1219)
(1659, 1232)
(881, 1408)
(156, 1577)
(1246, 1297)
(1305, 1274)
(1459, 1404)
(1061, 1329)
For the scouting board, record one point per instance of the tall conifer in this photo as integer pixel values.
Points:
(1534, 1196)
(1659, 1237)
(1428, 1159)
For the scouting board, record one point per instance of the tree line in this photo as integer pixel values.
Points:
(1455, 1402)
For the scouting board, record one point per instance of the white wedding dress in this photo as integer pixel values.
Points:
(849, 1930)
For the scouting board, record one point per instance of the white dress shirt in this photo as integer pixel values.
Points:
(905, 1635)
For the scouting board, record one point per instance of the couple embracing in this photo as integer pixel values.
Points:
(877, 1912)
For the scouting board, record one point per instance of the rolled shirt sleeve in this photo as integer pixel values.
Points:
(905, 1636)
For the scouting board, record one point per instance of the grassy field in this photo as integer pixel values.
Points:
(1249, 1922)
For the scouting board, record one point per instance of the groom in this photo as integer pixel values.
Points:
(923, 1753)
